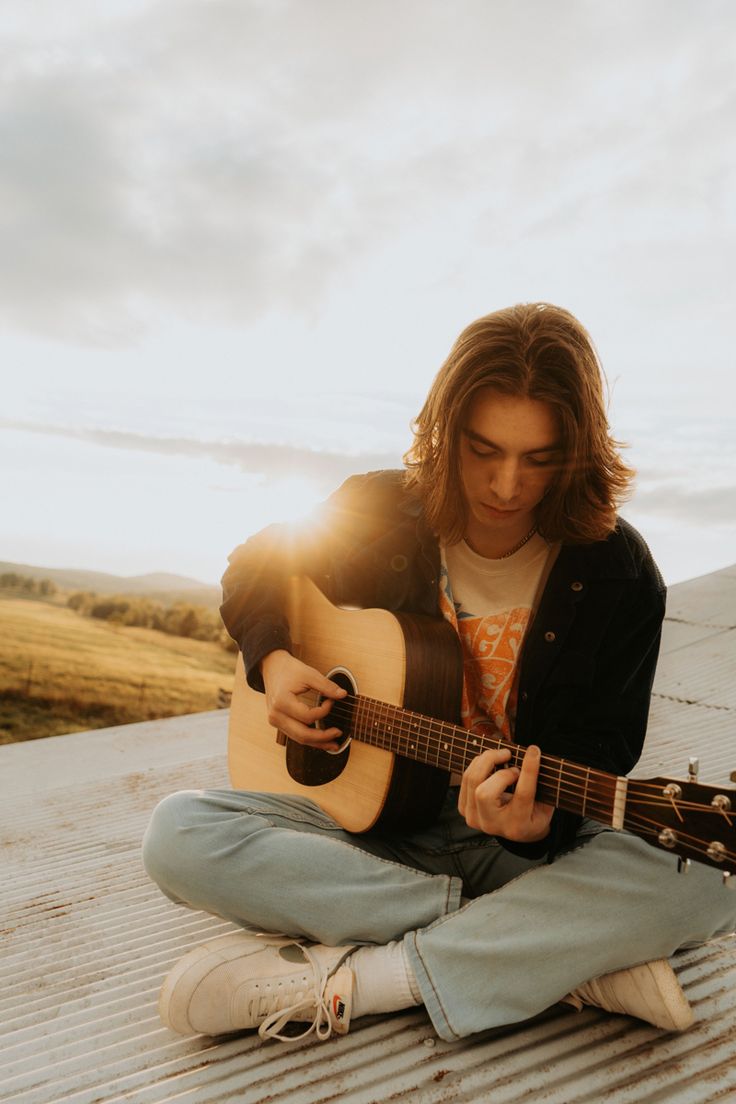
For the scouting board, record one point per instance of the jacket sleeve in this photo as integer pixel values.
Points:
(254, 583)
(326, 547)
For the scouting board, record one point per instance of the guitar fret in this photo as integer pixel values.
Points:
(387, 726)
(452, 750)
(375, 725)
(372, 724)
(410, 746)
(408, 734)
(432, 724)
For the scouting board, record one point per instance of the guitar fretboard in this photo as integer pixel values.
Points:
(561, 783)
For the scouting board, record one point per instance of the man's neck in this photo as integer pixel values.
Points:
(497, 545)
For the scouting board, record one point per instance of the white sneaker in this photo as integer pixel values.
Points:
(650, 992)
(241, 981)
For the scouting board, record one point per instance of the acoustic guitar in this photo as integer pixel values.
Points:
(400, 744)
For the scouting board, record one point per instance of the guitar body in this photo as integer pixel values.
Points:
(403, 660)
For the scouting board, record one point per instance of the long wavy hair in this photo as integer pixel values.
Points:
(536, 351)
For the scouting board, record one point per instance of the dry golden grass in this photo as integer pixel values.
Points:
(61, 672)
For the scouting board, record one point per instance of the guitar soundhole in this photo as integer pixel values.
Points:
(311, 766)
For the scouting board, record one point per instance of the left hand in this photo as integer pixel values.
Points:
(485, 803)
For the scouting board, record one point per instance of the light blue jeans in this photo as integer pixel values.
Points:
(531, 932)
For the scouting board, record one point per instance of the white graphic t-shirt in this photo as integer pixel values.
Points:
(490, 604)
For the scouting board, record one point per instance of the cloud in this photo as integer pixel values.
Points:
(272, 461)
(226, 160)
(713, 507)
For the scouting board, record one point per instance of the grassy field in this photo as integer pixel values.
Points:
(61, 672)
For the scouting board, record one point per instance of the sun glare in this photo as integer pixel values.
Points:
(292, 499)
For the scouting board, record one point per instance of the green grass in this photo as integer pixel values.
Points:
(61, 672)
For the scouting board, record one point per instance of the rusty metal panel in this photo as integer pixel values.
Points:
(702, 672)
(86, 941)
(709, 600)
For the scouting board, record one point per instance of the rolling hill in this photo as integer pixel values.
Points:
(160, 586)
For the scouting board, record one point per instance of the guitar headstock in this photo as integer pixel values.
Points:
(691, 820)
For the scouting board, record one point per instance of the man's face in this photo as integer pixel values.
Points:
(509, 452)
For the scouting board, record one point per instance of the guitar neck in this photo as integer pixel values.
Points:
(561, 783)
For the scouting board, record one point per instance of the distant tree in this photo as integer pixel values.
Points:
(141, 613)
(158, 620)
(110, 609)
(189, 623)
(81, 600)
(47, 587)
(180, 619)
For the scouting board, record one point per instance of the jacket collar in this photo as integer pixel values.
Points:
(608, 559)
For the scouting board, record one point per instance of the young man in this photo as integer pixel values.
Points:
(505, 524)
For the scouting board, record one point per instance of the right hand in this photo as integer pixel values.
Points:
(284, 679)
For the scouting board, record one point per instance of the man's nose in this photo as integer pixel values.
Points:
(505, 481)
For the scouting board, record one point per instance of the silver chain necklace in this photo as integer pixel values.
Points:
(520, 545)
(516, 548)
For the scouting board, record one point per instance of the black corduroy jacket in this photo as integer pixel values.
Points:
(589, 657)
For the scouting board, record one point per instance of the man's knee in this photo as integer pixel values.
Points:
(163, 842)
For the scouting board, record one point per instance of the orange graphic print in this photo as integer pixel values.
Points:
(491, 647)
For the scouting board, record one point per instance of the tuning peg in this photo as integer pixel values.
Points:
(683, 866)
(728, 880)
(693, 767)
(733, 776)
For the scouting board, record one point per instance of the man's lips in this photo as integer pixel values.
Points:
(495, 510)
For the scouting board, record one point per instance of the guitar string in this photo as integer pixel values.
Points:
(483, 742)
(592, 790)
(652, 828)
(693, 843)
(591, 799)
(684, 837)
(592, 793)
(438, 745)
(646, 824)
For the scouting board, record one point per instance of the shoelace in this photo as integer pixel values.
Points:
(320, 1025)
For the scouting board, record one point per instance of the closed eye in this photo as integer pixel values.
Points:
(536, 462)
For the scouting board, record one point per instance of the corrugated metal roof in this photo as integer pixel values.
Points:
(87, 939)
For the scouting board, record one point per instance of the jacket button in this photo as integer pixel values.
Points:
(524, 695)
(399, 562)
(550, 637)
(576, 586)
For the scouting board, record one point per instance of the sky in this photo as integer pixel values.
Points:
(239, 239)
